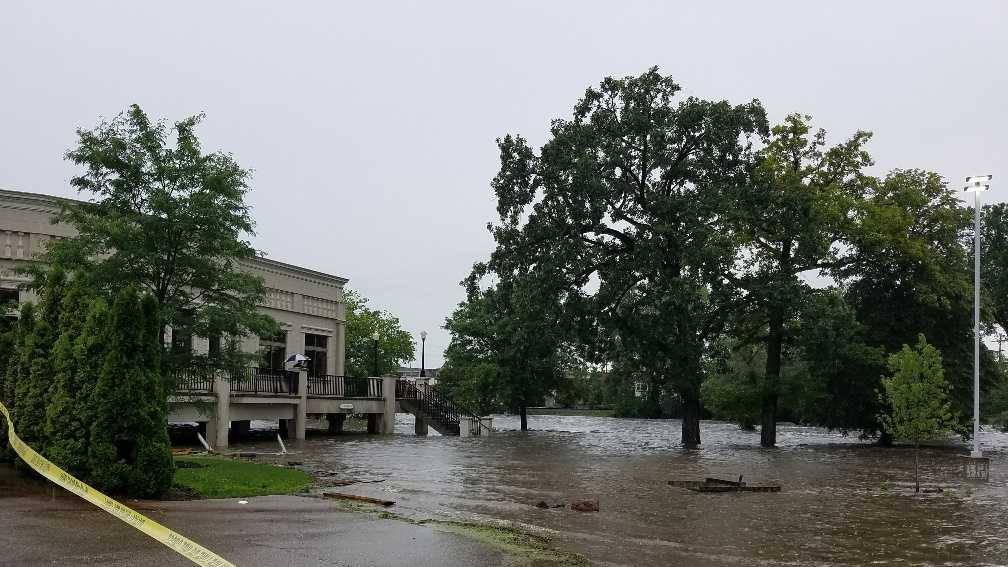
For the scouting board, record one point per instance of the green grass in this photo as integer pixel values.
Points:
(215, 477)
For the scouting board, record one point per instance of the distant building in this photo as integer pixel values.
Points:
(430, 374)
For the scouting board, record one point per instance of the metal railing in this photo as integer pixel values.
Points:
(430, 401)
(193, 380)
(477, 426)
(329, 385)
(263, 381)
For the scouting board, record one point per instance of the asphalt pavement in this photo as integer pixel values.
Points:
(40, 527)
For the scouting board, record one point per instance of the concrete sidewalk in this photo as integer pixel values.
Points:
(287, 531)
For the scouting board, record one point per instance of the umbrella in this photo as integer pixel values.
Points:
(297, 360)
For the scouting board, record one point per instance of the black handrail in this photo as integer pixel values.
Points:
(430, 400)
(193, 380)
(344, 387)
(253, 380)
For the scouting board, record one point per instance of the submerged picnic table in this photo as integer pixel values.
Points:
(710, 484)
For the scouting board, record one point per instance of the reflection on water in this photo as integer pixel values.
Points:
(843, 502)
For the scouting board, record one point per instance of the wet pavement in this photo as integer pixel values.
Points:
(843, 502)
(288, 531)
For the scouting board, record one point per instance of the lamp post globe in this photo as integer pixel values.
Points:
(423, 345)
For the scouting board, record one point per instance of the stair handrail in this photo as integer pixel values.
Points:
(430, 397)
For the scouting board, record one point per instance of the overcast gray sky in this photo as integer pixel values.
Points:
(371, 125)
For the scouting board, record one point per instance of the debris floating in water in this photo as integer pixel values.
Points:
(710, 484)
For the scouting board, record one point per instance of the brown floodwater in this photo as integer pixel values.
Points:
(843, 502)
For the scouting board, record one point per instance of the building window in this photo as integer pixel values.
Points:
(316, 348)
(273, 351)
(214, 346)
(8, 302)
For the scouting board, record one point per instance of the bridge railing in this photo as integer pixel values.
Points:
(330, 385)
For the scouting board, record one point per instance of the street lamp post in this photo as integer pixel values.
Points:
(423, 346)
(374, 337)
(976, 185)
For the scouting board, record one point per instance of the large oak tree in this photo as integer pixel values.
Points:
(620, 217)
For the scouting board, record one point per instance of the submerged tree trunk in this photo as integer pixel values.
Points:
(916, 466)
(522, 412)
(774, 346)
(885, 439)
(690, 420)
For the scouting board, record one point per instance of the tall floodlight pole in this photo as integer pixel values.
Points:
(976, 185)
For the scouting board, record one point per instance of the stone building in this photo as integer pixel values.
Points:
(308, 304)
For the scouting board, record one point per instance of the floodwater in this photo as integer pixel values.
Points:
(843, 502)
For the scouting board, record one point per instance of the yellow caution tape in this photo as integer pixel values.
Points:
(179, 543)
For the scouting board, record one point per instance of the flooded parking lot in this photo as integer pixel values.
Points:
(844, 502)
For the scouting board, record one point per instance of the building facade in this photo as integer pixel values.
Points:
(309, 305)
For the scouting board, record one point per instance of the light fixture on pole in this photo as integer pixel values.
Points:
(976, 185)
(374, 337)
(423, 346)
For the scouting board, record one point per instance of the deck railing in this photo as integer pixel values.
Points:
(193, 380)
(330, 385)
(263, 381)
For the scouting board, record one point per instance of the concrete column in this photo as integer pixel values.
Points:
(289, 428)
(295, 340)
(209, 431)
(336, 422)
(222, 416)
(420, 427)
(301, 412)
(388, 395)
(339, 349)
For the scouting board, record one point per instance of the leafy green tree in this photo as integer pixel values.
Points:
(471, 374)
(619, 218)
(994, 257)
(916, 396)
(129, 451)
(732, 390)
(506, 348)
(841, 371)
(995, 405)
(395, 345)
(168, 219)
(914, 275)
(796, 216)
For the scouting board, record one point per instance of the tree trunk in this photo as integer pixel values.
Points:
(916, 466)
(524, 417)
(691, 420)
(774, 346)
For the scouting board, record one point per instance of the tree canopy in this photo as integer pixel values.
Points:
(167, 218)
(395, 345)
(798, 214)
(618, 220)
